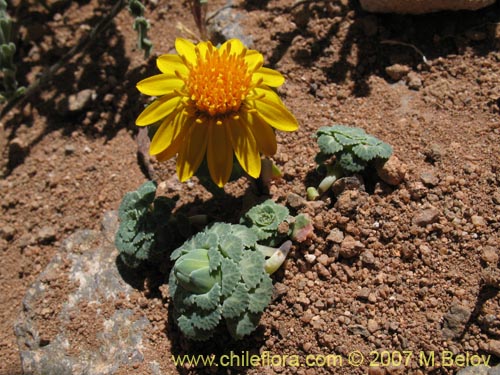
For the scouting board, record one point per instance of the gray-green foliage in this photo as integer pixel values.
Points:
(346, 150)
(352, 147)
(141, 25)
(10, 87)
(147, 229)
(264, 220)
(219, 279)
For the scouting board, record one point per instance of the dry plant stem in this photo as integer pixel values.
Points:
(416, 49)
(199, 10)
(82, 46)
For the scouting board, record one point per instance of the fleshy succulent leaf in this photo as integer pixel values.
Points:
(144, 221)
(264, 219)
(232, 247)
(236, 303)
(353, 149)
(214, 259)
(232, 276)
(207, 301)
(251, 265)
(247, 236)
(217, 275)
(206, 320)
(328, 144)
(243, 326)
(351, 163)
(206, 240)
(261, 296)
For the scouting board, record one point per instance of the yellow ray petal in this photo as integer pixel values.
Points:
(262, 132)
(176, 143)
(192, 151)
(219, 154)
(254, 60)
(168, 64)
(270, 77)
(158, 110)
(272, 110)
(236, 46)
(160, 84)
(186, 49)
(245, 147)
(203, 48)
(170, 129)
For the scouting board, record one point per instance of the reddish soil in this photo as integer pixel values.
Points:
(63, 169)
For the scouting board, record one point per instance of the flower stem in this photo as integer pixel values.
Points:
(333, 173)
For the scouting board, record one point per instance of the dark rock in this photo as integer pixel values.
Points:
(491, 276)
(348, 183)
(455, 320)
(87, 260)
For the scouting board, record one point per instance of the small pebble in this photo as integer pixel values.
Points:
(489, 255)
(426, 216)
(372, 325)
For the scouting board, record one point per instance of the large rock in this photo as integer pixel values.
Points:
(69, 323)
(422, 6)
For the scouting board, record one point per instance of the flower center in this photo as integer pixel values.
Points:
(219, 81)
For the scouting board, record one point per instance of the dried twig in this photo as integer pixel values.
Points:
(416, 49)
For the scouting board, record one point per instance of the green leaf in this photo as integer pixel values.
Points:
(384, 151)
(206, 240)
(260, 298)
(252, 268)
(237, 303)
(244, 233)
(365, 152)
(238, 328)
(207, 301)
(345, 140)
(214, 259)
(350, 163)
(350, 131)
(232, 247)
(147, 191)
(231, 276)
(329, 145)
(220, 228)
(206, 320)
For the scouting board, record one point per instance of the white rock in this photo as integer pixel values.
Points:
(422, 6)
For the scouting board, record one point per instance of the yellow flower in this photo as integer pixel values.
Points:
(214, 101)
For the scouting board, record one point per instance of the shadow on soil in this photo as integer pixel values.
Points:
(364, 44)
(102, 68)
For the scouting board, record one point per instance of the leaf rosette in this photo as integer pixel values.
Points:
(219, 278)
(346, 150)
(264, 220)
